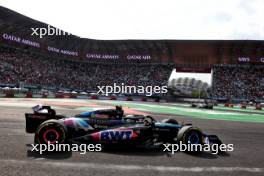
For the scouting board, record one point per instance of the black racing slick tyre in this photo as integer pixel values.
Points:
(51, 132)
(192, 136)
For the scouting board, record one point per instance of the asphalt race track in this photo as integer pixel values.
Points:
(16, 157)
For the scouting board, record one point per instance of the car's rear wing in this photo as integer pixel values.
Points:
(39, 115)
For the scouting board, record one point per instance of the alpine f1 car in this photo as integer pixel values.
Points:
(110, 126)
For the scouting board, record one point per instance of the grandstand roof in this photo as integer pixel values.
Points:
(185, 53)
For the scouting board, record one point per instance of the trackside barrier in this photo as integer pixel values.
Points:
(2, 95)
(51, 96)
(37, 95)
(82, 97)
(20, 95)
(29, 94)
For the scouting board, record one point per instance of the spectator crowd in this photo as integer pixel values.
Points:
(238, 82)
(229, 81)
(18, 66)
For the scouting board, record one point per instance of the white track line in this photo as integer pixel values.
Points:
(100, 166)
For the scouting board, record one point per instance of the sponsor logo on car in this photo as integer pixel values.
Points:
(116, 134)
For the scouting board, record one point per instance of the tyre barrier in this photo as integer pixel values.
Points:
(157, 100)
(58, 95)
(73, 95)
(243, 106)
(230, 105)
(9, 94)
(258, 107)
(143, 99)
(94, 97)
(112, 98)
(29, 95)
(67, 95)
(129, 99)
(44, 95)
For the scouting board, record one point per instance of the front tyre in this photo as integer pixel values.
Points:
(50, 132)
(192, 136)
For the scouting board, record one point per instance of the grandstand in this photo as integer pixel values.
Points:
(241, 83)
(73, 63)
(31, 69)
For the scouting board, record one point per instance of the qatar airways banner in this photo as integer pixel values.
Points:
(23, 41)
(102, 56)
(138, 57)
(117, 56)
(20, 40)
(62, 51)
(251, 60)
(96, 56)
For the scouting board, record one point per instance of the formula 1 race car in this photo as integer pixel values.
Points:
(202, 105)
(110, 126)
(205, 104)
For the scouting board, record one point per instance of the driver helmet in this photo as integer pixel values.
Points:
(119, 112)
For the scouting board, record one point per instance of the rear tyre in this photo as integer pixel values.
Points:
(52, 132)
